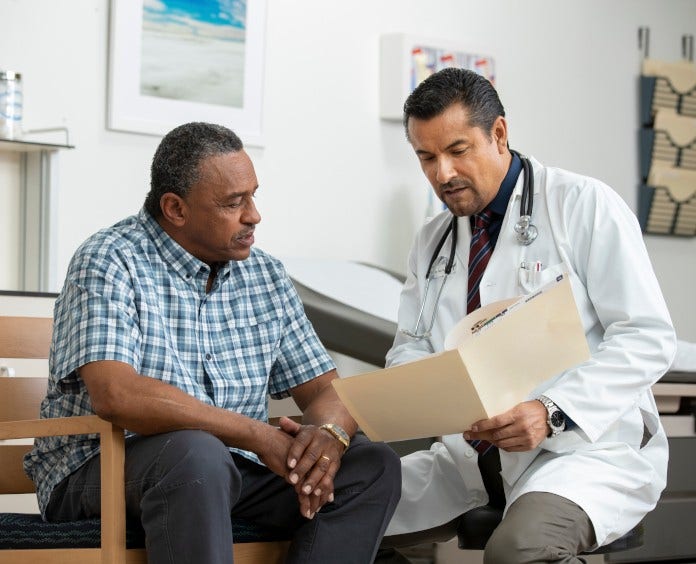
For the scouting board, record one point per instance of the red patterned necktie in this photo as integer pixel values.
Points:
(480, 252)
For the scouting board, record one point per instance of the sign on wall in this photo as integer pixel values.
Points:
(406, 60)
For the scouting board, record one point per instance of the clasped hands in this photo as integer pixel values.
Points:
(308, 458)
(519, 429)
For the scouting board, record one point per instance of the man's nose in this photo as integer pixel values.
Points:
(445, 170)
(251, 214)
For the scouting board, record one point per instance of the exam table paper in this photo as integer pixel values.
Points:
(685, 358)
(360, 286)
(497, 355)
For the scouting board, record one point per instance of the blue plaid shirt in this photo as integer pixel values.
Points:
(132, 294)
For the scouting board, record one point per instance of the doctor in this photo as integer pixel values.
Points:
(585, 457)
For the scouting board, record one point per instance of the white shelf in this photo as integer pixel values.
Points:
(24, 146)
(38, 190)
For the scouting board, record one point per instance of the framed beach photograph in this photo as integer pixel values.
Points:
(175, 61)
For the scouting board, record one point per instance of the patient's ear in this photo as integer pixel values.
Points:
(173, 208)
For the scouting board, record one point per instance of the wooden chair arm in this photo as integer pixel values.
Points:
(53, 427)
(113, 456)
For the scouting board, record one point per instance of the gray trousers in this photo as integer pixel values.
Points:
(538, 527)
(185, 485)
(541, 527)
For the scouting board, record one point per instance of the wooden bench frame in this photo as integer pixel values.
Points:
(20, 398)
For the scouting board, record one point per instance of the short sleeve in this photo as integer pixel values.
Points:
(301, 355)
(95, 316)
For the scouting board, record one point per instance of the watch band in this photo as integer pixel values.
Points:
(555, 418)
(338, 433)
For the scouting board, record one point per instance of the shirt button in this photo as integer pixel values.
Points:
(468, 452)
(208, 356)
(188, 277)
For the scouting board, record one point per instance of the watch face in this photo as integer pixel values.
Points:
(557, 419)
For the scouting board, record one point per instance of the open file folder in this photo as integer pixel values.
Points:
(495, 358)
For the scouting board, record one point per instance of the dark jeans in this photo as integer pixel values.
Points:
(185, 485)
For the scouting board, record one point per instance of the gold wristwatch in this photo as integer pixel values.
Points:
(339, 434)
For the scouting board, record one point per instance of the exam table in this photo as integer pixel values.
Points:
(345, 329)
(355, 333)
(670, 529)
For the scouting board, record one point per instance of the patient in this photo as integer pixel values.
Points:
(173, 327)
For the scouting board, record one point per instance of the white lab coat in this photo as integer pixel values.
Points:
(586, 230)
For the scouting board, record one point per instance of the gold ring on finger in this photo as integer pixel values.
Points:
(326, 458)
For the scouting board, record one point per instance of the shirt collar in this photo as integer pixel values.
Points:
(500, 203)
(182, 262)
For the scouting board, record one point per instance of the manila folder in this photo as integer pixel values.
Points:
(496, 356)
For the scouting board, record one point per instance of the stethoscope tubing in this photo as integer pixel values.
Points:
(527, 200)
(526, 234)
(526, 207)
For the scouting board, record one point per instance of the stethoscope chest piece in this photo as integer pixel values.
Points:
(526, 231)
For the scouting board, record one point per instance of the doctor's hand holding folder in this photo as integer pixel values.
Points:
(494, 359)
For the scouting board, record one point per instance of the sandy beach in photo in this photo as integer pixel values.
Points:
(194, 51)
(196, 69)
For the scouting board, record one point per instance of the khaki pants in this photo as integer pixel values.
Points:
(540, 527)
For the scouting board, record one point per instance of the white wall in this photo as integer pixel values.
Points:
(337, 181)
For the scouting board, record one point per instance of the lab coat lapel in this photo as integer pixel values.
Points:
(463, 242)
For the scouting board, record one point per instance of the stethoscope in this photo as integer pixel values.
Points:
(525, 233)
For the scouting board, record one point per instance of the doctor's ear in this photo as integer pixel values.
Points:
(499, 133)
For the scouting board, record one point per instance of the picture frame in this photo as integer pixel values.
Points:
(163, 78)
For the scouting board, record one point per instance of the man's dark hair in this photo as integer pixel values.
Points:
(175, 166)
(451, 85)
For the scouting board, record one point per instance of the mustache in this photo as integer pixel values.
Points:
(454, 184)
(245, 233)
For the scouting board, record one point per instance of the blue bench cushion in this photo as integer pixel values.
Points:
(26, 531)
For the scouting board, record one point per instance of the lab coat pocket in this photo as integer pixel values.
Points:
(534, 273)
(569, 441)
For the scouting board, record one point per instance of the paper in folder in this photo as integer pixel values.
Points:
(495, 357)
